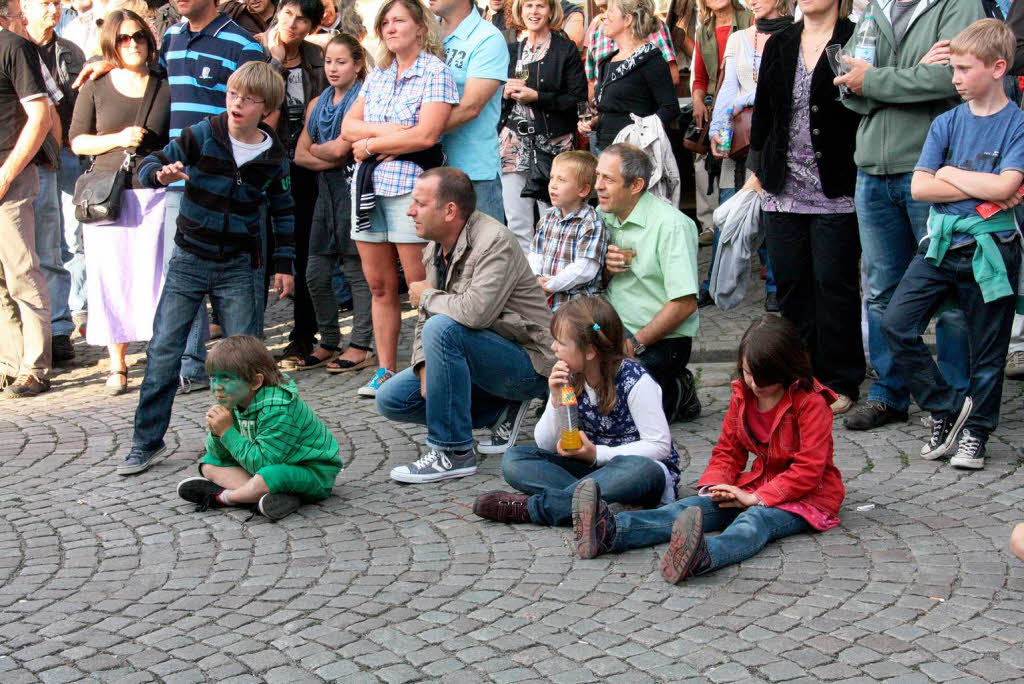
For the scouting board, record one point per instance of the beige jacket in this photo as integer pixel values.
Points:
(489, 287)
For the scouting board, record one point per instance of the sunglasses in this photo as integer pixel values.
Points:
(139, 37)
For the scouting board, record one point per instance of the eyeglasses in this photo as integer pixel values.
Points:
(139, 37)
(246, 100)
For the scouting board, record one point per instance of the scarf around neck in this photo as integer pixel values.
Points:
(325, 120)
(771, 26)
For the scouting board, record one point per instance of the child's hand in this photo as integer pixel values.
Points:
(586, 453)
(171, 173)
(543, 282)
(728, 496)
(559, 377)
(218, 420)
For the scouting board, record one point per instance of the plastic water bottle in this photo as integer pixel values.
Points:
(725, 135)
(867, 38)
(570, 419)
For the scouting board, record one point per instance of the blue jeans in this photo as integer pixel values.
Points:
(193, 360)
(892, 224)
(744, 531)
(52, 250)
(762, 252)
(70, 170)
(921, 292)
(489, 199)
(471, 376)
(188, 281)
(552, 479)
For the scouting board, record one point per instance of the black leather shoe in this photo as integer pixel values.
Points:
(63, 350)
(873, 414)
(705, 299)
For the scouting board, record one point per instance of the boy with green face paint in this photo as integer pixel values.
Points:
(265, 445)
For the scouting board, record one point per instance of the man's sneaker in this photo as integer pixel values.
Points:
(593, 525)
(506, 507)
(436, 465)
(945, 431)
(842, 404)
(379, 378)
(687, 553)
(277, 506)
(201, 492)
(139, 459)
(80, 319)
(25, 386)
(873, 414)
(190, 385)
(63, 350)
(771, 302)
(1014, 369)
(506, 429)
(971, 452)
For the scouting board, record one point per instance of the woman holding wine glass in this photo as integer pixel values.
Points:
(546, 82)
(801, 149)
(634, 79)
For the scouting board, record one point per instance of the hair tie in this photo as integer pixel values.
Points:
(597, 327)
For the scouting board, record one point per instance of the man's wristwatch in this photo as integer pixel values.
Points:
(638, 348)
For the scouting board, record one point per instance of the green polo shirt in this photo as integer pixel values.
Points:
(664, 268)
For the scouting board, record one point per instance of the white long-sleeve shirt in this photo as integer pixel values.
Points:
(655, 443)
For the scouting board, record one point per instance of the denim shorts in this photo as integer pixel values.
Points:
(389, 223)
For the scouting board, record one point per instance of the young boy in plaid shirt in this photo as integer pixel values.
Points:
(570, 244)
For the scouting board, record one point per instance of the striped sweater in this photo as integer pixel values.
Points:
(220, 212)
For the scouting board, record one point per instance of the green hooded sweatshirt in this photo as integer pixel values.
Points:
(278, 428)
(901, 95)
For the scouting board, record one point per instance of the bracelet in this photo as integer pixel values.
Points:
(366, 146)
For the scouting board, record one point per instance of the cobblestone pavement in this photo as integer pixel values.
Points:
(115, 579)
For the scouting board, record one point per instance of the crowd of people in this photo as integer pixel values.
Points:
(518, 173)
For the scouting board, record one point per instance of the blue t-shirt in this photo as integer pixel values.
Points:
(476, 49)
(986, 144)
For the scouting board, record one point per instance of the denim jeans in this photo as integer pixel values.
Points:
(489, 198)
(762, 252)
(52, 250)
(188, 281)
(193, 359)
(744, 532)
(70, 170)
(921, 292)
(552, 479)
(892, 224)
(471, 377)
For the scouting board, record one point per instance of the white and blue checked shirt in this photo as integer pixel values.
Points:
(389, 99)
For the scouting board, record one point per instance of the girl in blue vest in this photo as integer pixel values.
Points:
(627, 447)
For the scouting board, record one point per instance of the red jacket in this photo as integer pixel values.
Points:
(797, 463)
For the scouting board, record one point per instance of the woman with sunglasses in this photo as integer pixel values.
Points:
(123, 260)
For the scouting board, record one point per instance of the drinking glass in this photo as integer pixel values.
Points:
(835, 59)
(522, 71)
(585, 112)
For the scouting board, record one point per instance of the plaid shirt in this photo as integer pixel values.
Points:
(562, 240)
(393, 100)
(600, 46)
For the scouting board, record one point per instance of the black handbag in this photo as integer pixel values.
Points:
(98, 193)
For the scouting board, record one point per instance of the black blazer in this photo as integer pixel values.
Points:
(644, 91)
(833, 126)
(560, 84)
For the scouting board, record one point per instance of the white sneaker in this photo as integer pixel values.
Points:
(436, 465)
(506, 430)
(841, 405)
(970, 453)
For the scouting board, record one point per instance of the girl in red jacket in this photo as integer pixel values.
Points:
(778, 412)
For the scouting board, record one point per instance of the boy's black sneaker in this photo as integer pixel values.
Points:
(971, 452)
(945, 431)
(201, 492)
(872, 414)
(277, 506)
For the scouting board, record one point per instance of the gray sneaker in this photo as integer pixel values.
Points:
(970, 454)
(139, 459)
(506, 430)
(1014, 369)
(436, 465)
(190, 385)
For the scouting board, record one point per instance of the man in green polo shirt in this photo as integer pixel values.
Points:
(650, 273)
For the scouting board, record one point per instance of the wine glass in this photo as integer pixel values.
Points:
(585, 112)
(835, 55)
(523, 71)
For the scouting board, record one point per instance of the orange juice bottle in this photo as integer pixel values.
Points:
(570, 420)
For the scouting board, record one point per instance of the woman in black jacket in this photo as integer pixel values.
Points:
(634, 79)
(802, 142)
(546, 82)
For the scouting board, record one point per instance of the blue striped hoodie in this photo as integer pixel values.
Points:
(220, 212)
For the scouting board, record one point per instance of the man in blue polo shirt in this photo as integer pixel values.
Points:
(478, 57)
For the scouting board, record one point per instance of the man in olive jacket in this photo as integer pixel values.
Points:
(899, 97)
(482, 348)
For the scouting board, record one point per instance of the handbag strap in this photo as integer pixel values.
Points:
(148, 98)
